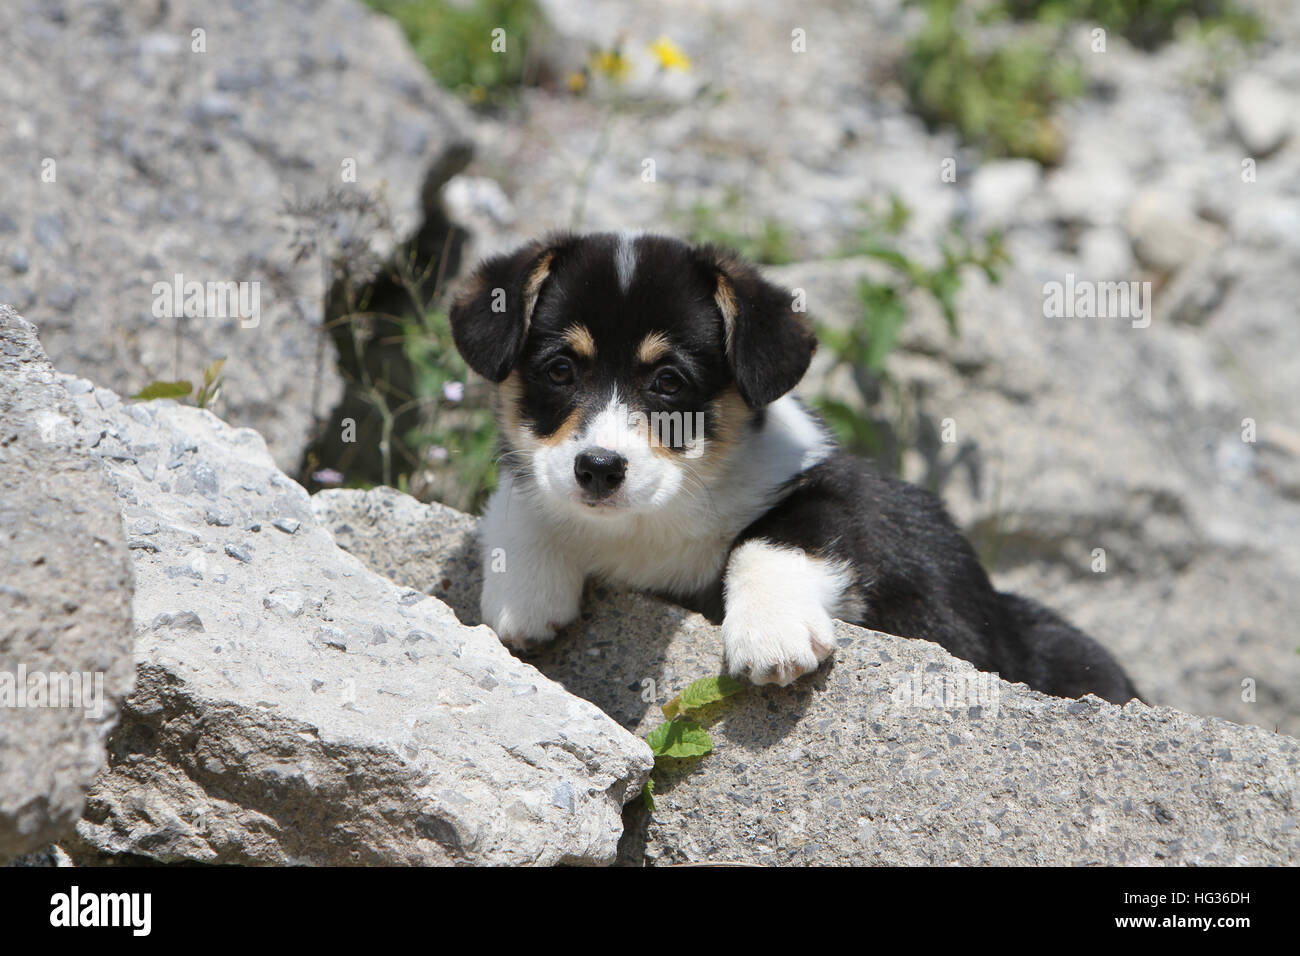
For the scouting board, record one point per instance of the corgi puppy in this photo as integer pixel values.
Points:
(649, 437)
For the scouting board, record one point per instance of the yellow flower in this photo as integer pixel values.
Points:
(610, 62)
(670, 55)
(576, 81)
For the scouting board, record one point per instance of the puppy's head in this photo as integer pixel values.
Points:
(629, 365)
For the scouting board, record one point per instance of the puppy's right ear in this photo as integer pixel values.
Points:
(490, 316)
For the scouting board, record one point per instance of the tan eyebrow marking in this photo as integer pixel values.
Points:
(579, 339)
(652, 348)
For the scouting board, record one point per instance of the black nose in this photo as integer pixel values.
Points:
(599, 471)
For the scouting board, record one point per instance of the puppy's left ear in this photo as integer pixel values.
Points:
(769, 344)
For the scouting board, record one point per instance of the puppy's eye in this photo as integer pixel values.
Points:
(560, 371)
(668, 382)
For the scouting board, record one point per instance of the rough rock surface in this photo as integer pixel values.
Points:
(169, 159)
(846, 768)
(65, 600)
(292, 706)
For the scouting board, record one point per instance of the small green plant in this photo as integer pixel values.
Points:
(458, 44)
(436, 437)
(1146, 24)
(871, 342)
(999, 98)
(866, 346)
(460, 443)
(681, 738)
(204, 396)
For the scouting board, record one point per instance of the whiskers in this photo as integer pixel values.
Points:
(517, 461)
(696, 488)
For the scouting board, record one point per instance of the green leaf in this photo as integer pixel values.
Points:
(648, 794)
(706, 690)
(885, 315)
(212, 371)
(888, 255)
(163, 390)
(679, 738)
(212, 382)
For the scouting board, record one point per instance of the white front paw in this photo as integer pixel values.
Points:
(529, 590)
(776, 646)
(521, 630)
(525, 619)
(779, 601)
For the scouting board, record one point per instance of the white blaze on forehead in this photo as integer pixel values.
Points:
(625, 259)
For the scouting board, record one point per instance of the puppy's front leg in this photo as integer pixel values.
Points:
(778, 604)
(530, 588)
